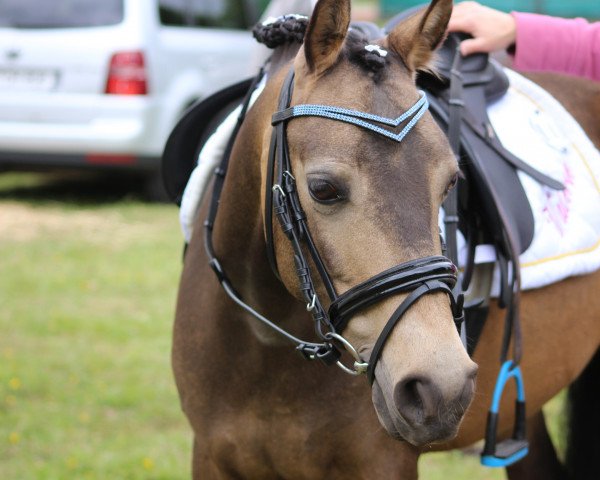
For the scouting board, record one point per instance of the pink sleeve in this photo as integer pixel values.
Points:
(570, 46)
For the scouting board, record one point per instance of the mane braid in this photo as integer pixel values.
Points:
(374, 63)
(275, 32)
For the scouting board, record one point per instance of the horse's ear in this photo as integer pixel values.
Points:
(326, 33)
(416, 38)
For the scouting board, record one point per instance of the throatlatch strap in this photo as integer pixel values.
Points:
(221, 170)
(325, 351)
(269, 206)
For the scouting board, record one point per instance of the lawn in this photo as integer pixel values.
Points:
(88, 277)
(87, 294)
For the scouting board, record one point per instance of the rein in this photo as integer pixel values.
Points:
(416, 277)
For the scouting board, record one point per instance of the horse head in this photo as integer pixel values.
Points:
(372, 203)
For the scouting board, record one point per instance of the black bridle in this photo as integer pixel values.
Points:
(415, 278)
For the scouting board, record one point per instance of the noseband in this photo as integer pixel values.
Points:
(415, 278)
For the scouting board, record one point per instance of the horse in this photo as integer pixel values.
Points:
(371, 204)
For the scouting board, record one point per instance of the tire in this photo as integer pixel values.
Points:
(154, 188)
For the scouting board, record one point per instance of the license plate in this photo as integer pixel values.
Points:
(27, 80)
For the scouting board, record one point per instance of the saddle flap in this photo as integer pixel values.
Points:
(499, 189)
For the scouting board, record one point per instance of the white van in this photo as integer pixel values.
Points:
(100, 84)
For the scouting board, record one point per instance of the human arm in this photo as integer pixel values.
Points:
(542, 43)
(570, 46)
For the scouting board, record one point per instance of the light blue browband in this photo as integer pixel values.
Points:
(358, 118)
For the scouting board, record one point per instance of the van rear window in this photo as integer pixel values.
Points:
(239, 14)
(60, 13)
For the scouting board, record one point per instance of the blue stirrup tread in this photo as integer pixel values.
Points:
(520, 449)
(510, 447)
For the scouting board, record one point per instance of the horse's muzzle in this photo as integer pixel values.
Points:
(417, 410)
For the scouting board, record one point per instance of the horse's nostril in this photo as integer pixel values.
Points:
(411, 391)
(421, 402)
(417, 399)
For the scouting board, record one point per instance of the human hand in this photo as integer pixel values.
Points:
(491, 29)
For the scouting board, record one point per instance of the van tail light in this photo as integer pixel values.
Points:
(127, 74)
(110, 159)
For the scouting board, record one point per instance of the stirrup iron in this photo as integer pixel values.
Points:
(513, 449)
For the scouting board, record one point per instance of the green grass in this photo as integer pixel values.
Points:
(87, 294)
(88, 278)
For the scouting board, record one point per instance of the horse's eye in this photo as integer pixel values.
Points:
(324, 192)
(453, 182)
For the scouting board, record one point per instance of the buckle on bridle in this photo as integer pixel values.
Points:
(458, 311)
(277, 188)
(326, 352)
(310, 306)
(359, 367)
(330, 354)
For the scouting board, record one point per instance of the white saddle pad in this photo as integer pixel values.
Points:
(209, 159)
(537, 129)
